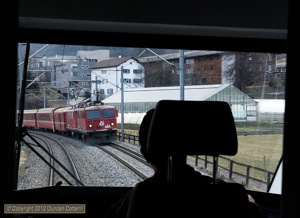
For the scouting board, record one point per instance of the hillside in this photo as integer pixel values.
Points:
(71, 50)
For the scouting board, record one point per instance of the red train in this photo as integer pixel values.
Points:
(90, 122)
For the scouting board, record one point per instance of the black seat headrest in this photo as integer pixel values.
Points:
(192, 128)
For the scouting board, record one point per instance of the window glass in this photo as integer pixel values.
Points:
(253, 83)
(107, 113)
(93, 114)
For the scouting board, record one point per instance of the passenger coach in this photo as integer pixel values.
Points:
(60, 121)
(29, 119)
(45, 119)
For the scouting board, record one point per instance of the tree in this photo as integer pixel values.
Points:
(157, 75)
(243, 69)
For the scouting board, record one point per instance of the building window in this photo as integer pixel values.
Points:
(102, 91)
(280, 69)
(189, 70)
(103, 71)
(110, 91)
(270, 67)
(269, 57)
(137, 71)
(91, 60)
(190, 61)
(203, 81)
(127, 80)
(126, 71)
(137, 80)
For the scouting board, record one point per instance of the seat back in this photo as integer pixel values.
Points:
(190, 128)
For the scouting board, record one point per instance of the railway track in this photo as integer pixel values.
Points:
(131, 153)
(96, 167)
(59, 160)
(93, 163)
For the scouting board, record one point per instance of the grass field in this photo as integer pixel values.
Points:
(260, 150)
(260, 144)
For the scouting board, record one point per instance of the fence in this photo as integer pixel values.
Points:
(271, 117)
(230, 169)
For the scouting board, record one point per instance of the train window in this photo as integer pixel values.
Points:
(253, 83)
(108, 113)
(92, 114)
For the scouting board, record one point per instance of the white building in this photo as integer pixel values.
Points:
(106, 76)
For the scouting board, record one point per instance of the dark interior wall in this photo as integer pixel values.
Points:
(165, 24)
(267, 14)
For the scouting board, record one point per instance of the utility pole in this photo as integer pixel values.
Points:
(44, 97)
(96, 87)
(181, 66)
(20, 66)
(68, 93)
(122, 105)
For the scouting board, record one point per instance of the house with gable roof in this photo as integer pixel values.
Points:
(106, 76)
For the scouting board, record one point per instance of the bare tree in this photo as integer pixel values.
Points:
(243, 69)
(157, 74)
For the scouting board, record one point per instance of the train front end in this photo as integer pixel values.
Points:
(101, 124)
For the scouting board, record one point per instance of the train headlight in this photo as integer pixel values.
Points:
(112, 124)
(90, 125)
(101, 123)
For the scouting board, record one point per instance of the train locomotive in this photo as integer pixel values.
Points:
(91, 122)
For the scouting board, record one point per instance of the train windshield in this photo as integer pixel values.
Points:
(108, 113)
(133, 80)
(93, 114)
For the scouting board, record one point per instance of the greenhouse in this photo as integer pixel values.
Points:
(138, 101)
